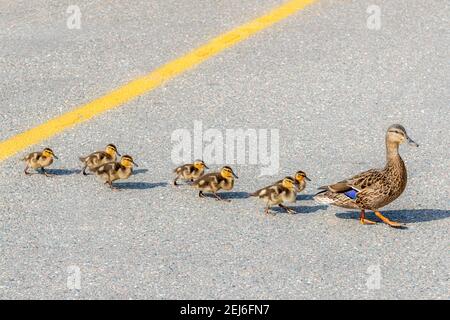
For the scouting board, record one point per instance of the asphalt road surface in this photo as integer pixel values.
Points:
(331, 86)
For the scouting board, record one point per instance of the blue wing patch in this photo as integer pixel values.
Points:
(351, 194)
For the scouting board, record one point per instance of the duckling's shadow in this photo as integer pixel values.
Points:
(63, 172)
(403, 216)
(304, 197)
(139, 185)
(233, 195)
(300, 209)
(139, 171)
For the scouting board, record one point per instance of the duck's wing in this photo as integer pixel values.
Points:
(344, 193)
(207, 178)
(269, 192)
(33, 156)
(184, 168)
(263, 192)
(100, 155)
(95, 156)
(356, 183)
(107, 167)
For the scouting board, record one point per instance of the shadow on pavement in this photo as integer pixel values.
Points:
(139, 171)
(403, 216)
(63, 172)
(233, 195)
(299, 209)
(139, 185)
(304, 197)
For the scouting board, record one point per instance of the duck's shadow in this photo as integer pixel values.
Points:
(403, 216)
(300, 209)
(301, 197)
(63, 172)
(139, 185)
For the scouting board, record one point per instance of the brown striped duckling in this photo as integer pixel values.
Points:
(98, 158)
(215, 181)
(375, 188)
(300, 179)
(278, 193)
(190, 171)
(39, 160)
(113, 171)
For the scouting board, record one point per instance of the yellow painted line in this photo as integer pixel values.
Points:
(147, 83)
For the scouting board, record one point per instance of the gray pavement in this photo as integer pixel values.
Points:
(327, 82)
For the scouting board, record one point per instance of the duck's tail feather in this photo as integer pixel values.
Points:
(343, 200)
(321, 197)
(321, 190)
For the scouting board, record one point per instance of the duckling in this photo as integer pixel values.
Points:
(278, 193)
(375, 188)
(113, 171)
(39, 160)
(190, 171)
(299, 180)
(98, 158)
(213, 182)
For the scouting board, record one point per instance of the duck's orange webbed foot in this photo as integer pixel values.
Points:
(389, 222)
(363, 220)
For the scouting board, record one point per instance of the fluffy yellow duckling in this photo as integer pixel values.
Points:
(190, 171)
(39, 160)
(278, 193)
(299, 180)
(98, 158)
(113, 171)
(215, 181)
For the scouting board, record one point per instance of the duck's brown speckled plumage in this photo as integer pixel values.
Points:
(377, 188)
(374, 188)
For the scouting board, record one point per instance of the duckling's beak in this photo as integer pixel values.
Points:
(206, 167)
(234, 175)
(55, 157)
(117, 152)
(135, 164)
(307, 178)
(411, 142)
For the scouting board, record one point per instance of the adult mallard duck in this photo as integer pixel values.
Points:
(375, 188)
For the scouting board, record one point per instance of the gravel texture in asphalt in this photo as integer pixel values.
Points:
(326, 81)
